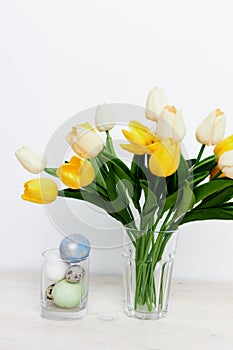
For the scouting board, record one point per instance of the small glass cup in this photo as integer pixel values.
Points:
(64, 286)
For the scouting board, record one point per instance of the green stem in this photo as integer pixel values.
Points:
(109, 143)
(51, 171)
(166, 220)
(200, 154)
(216, 175)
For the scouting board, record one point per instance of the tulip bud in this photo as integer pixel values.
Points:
(171, 125)
(84, 141)
(155, 103)
(77, 173)
(211, 130)
(40, 191)
(31, 161)
(225, 163)
(104, 118)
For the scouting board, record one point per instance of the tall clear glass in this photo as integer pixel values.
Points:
(148, 263)
(64, 286)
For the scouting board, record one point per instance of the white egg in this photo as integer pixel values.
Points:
(54, 268)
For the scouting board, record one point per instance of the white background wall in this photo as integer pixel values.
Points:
(60, 57)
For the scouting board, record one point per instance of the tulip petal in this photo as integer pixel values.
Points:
(77, 173)
(135, 148)
(171, 125)
(228, 172)
(140, 137)
(40, 191)
(165, 158)
(68, 174)
(155, 103)
(219, 130)
(86, 173)
(224, 146)
(30, 160)
(104, 118)
(86, 125)
(84, 142)
(211, 130)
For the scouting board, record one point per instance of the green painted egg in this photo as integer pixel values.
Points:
(67, 295)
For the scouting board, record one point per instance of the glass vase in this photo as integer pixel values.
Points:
(148, 263)
(64, 286)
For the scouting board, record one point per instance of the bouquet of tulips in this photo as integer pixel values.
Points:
(158, 192)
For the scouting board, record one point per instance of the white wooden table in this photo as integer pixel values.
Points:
(200, 317)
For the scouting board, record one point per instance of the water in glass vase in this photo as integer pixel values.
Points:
(148, 263)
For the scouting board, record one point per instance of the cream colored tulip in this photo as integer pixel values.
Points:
(104, 118)
(225, 163)
(84, 141)
(211, 130)
(171, 125)
(156, 102)
(30, 160)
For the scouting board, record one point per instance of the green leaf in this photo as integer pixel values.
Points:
(221, 213)
(185, 201)
(217, 199)
(175, 181)
(205, 165)
(150, 206)
(138, 163)
(123, 172)
(183, 169)
(227, 205)
(111, 186)
(118, 197)
(191, 162)
(199, 177)
(97, 189)
(211, 187)
(170, 201)
(99, 173)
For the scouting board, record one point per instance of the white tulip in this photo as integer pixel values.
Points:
(155, 103)
(30, 160)
(104, 118)
(84, 141)
(171, 125)
(211, 130)
(225, 163)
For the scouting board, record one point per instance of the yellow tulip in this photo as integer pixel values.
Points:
(77, 173)
(84, 141)
(140, 137)
(165, 158)
(40, 191)
(224, 146)
(165, 154)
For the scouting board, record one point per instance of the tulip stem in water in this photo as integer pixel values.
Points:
(200, 154)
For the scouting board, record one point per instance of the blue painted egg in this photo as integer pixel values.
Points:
(74, 248)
